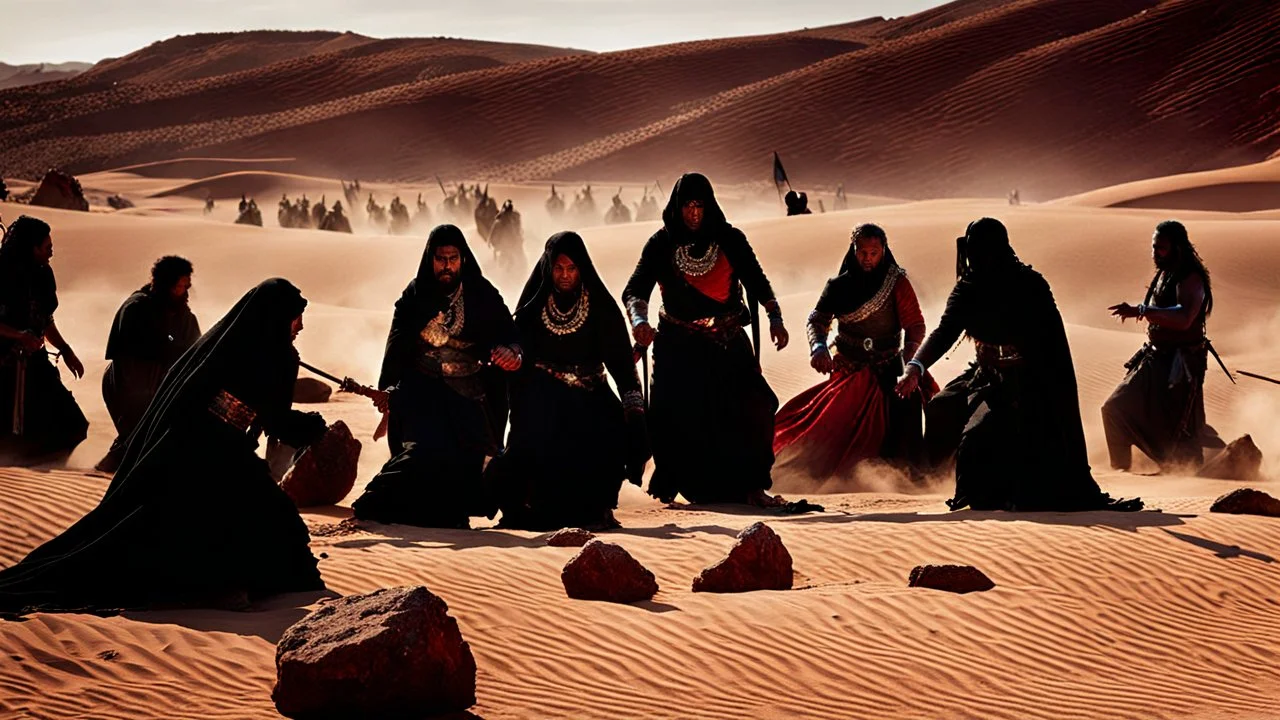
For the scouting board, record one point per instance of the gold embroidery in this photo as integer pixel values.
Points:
(877, 301)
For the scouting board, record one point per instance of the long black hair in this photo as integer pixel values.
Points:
(1188, 261)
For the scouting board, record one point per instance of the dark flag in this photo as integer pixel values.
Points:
(779, 175)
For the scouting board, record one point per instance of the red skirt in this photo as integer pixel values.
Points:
(832, 426)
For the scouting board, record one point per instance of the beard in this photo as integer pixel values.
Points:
(1168, 263)
(447, 281)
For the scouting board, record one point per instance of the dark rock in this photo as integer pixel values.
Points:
(392, 653)
(119, 202)
(1247, 501)
(951, 578)
(570, 537)
(1240, 460)
(311, 390)
(326, 471)
(604, 571)
(757, 561)
(60, 190)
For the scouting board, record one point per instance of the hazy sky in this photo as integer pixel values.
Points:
(90, 30)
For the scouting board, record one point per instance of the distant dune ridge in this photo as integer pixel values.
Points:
(972, 98)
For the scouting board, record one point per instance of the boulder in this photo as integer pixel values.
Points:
(570, 537)
(1240, 460)
(604, 571)
(325, 472)
(392, 653)
(310, 390)
(60, 190)
(757, 561)
(1247, 501)
(951, 578)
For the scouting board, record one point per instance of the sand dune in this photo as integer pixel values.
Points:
(1154, 616)
(1248, 188)
(959, 100)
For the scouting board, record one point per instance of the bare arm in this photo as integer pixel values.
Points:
(1185, 313)
(54, 336)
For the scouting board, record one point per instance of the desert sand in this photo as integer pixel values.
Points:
(1095, 615)
(1108, 115)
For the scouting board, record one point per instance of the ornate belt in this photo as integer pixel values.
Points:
(583, 377)
(999, 356)
(714, 326)
(867, 347)
(229, 409)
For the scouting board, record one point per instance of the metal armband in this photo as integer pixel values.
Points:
(639, 311)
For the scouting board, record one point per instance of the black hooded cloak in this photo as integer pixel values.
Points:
(448, 404)
(193, 514)
(711, 410)
(1014, 425)
(571, 445)
(38, 414)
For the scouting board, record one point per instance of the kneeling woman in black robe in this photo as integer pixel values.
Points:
(193, 516)
(571, 442)
(1015, 413)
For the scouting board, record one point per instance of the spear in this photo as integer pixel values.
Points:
(1256, 376)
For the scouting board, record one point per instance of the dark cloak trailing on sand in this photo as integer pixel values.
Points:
(193, 515)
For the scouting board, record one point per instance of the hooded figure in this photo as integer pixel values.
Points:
(1013, 418)
(856, 415)
(451, 338)
(571, 442)
(38, 415)
(711, 410)
(189, 466)
(797, 203)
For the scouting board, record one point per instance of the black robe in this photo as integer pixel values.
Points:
(193, 515)
(38, 414)
(711, 410)
(147, 336)
(571, 445)
(441, 428)
(1015, 430)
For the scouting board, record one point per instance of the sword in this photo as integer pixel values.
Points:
(1223, 365)
(643, 352)
(346, 384)
(1256, 376)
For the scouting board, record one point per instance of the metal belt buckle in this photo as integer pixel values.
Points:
(868, 344)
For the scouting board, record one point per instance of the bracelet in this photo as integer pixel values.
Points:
(1142, 311)
(632, 400)
(817, 348)
(918, 364)
(774, 311)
